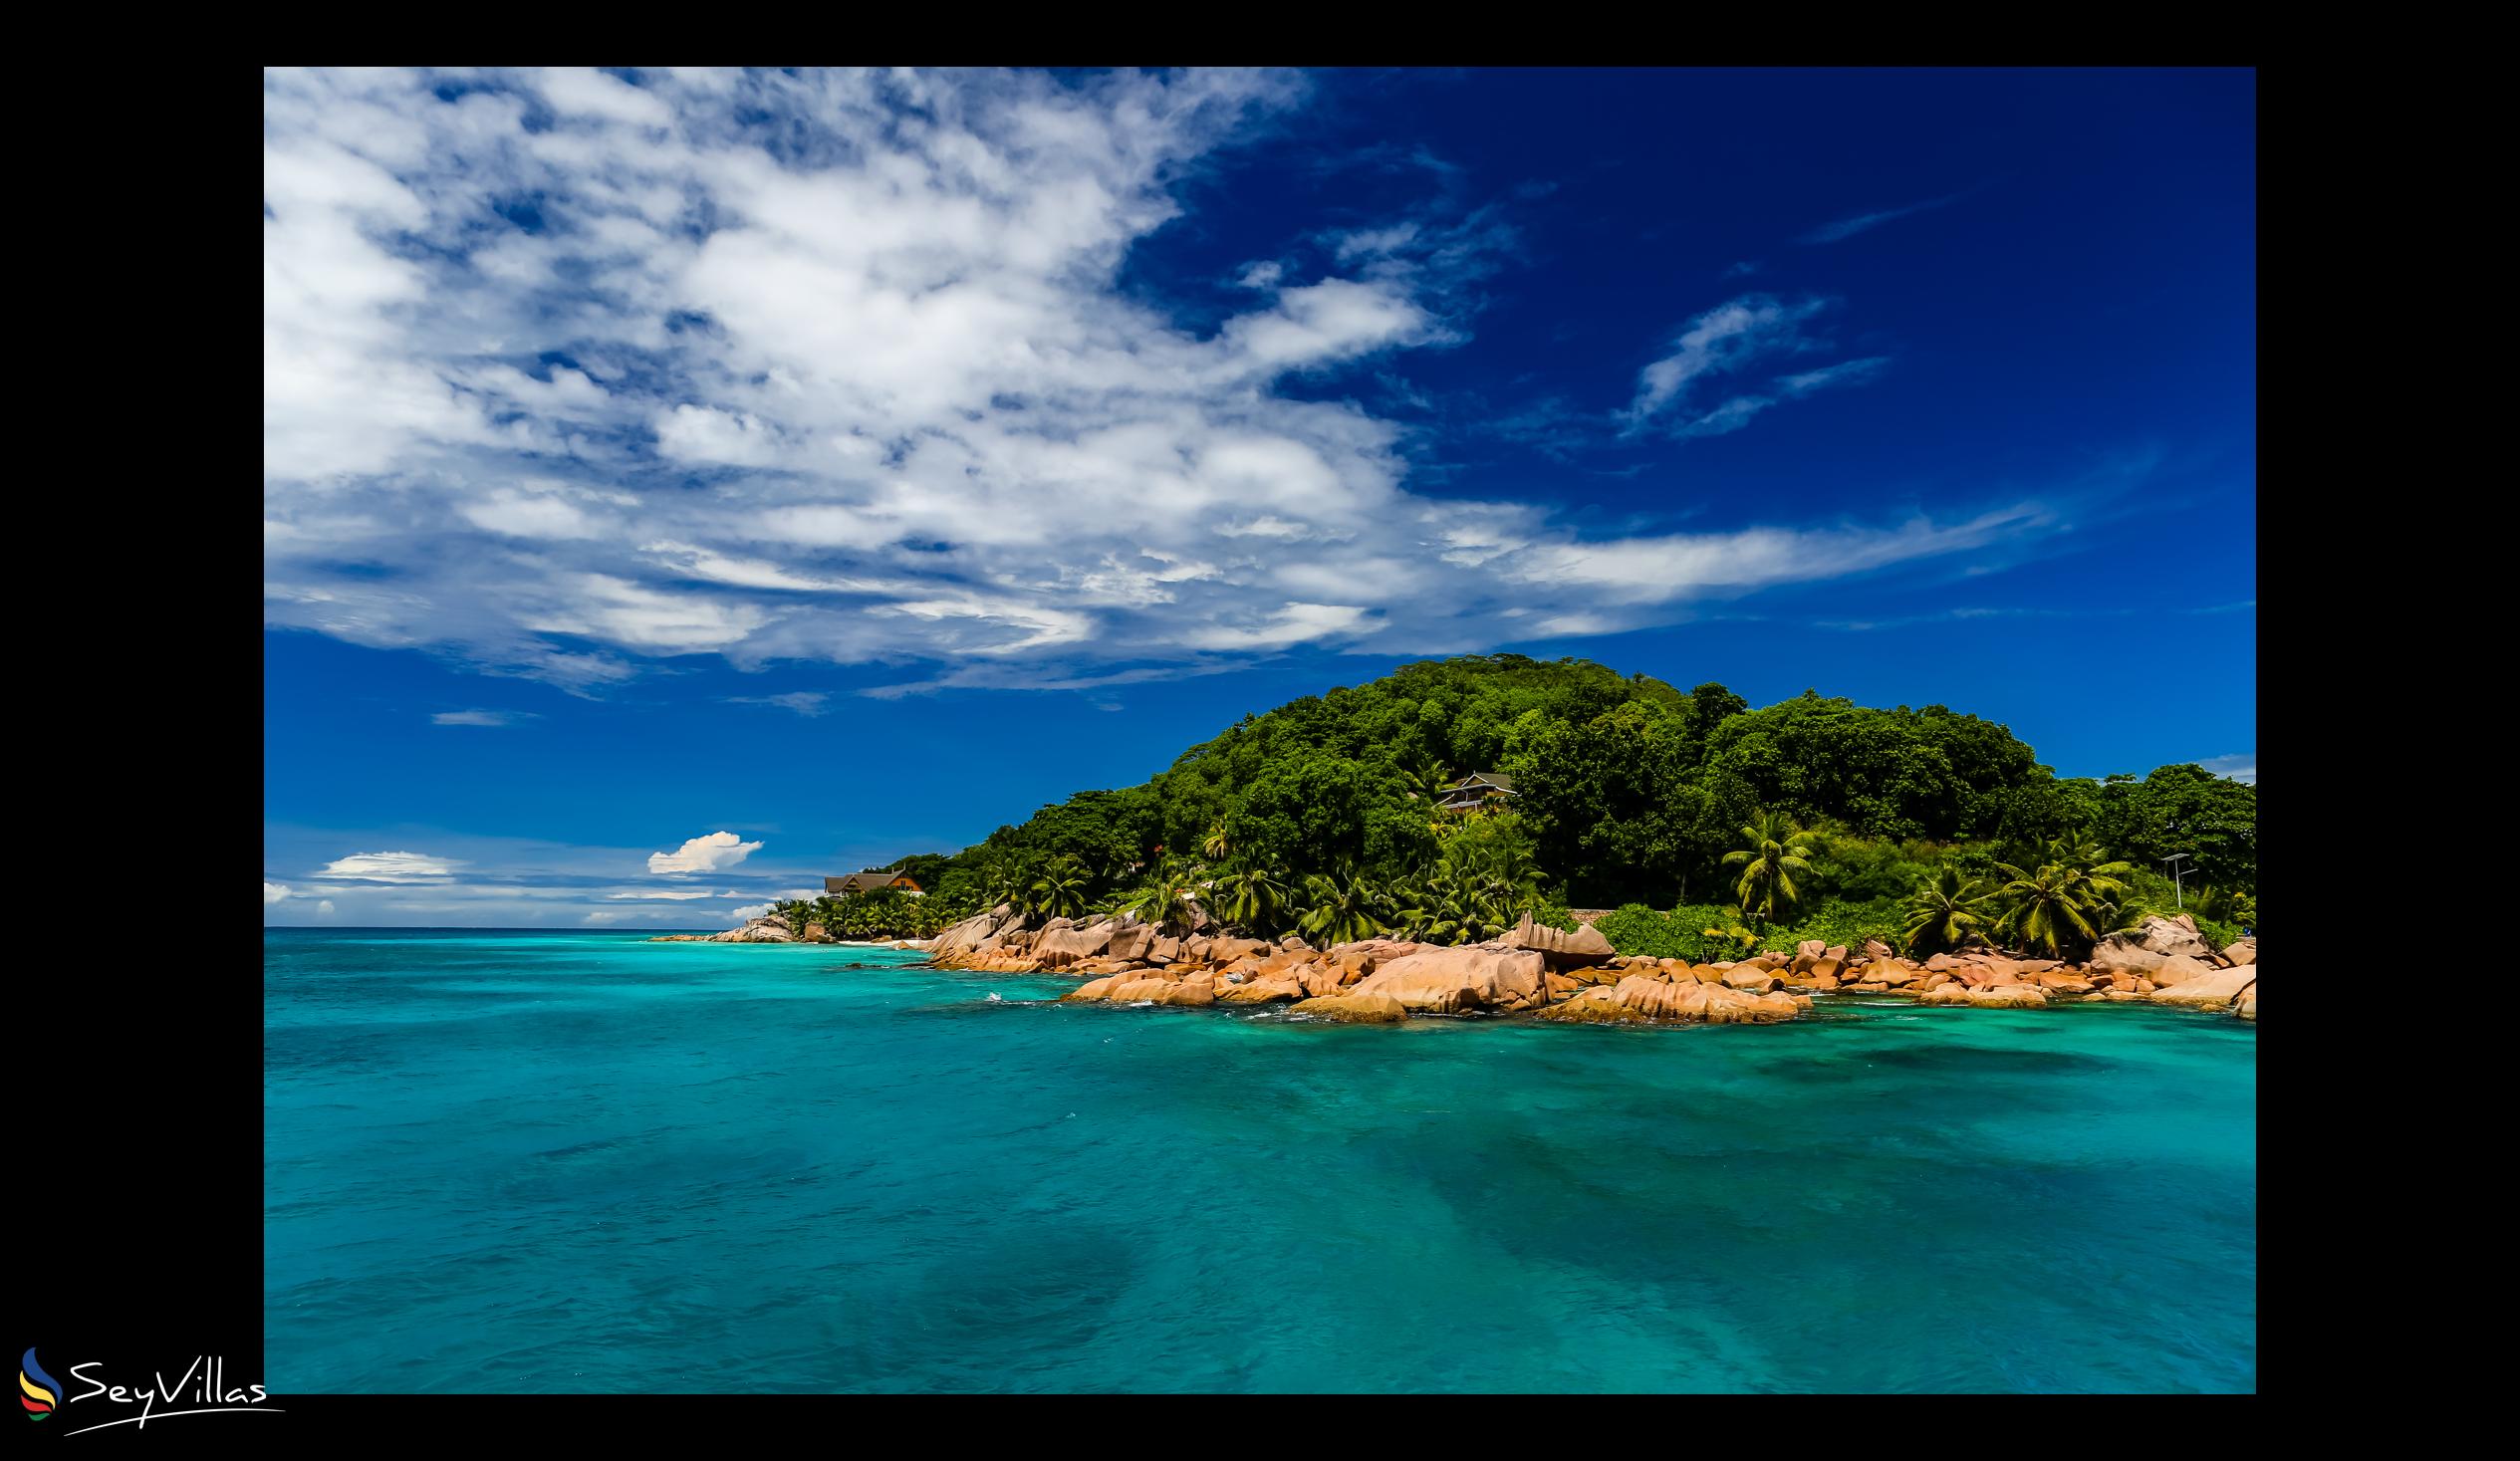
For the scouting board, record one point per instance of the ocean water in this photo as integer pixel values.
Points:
(502, 1162)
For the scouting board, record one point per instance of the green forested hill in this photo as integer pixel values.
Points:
(1629, 791)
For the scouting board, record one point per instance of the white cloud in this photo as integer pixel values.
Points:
(749, 910)
(1723, 342)
(388, 867)
(481, 717)
(1662, 570)
(803, 702)
(536, 882)
(274, 893)
(1845, 372)
(1846, 228)
(325, 908)
(1296, 624)
(704, 855)
(573, 373)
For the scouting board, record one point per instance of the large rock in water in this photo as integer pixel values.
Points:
(2120, 954)
(1714, 1004)
(1368, 955)
(2007, 997)
(2178, 969)
(2242, 952)
(1354, 1009)
(1125, 989)
(2246, 1004)
(2212, 989)
(1260, 991)
(1223, 951)
(1585, 945)
(1455, 979)
(760, 930)
(971, 932)
(1058, 948)
(1593, 1006)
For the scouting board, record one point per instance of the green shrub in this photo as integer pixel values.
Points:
(1638, 929)
(2221, 935)
(1840, 922)
(1678, 935)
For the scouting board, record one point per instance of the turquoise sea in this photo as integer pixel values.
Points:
(508, 1161)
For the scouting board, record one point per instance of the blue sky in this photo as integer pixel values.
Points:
(850, 464)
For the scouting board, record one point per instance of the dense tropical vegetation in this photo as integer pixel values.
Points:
(1710, 827)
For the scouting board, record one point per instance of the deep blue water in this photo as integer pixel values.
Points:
(500, 1161)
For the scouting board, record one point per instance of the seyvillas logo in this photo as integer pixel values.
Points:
(202, 1389)
(41, 1391)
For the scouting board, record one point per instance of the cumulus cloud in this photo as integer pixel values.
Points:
(325, 908)
(568, 373)
(274, 893)
(704, 855)
(749, 910)
(388, 867)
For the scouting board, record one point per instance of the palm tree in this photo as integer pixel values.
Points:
(2047, 909)
(1945, 911)
(1218, 842)
(2225, 906)
(1777, 849)
(1253, 897)
(1165, 898)
(1426, 777)
(1059, 893)
(1451, 905)
(2075, 849)
(1344, 908)
(1005, 880)
(1504, 874)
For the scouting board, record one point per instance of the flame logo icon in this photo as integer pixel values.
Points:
(42, 1391)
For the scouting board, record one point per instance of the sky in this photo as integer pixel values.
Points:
(680, 485)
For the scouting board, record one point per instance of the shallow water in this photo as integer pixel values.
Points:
(501, 1161)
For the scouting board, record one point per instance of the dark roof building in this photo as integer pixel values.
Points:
(856, 883)
(1476, 791)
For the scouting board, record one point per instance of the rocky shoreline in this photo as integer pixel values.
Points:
(1552, 975)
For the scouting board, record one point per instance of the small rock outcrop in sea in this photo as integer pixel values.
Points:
(760, 930)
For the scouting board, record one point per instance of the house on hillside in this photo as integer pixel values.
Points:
(857, 882)
(1485, 790)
